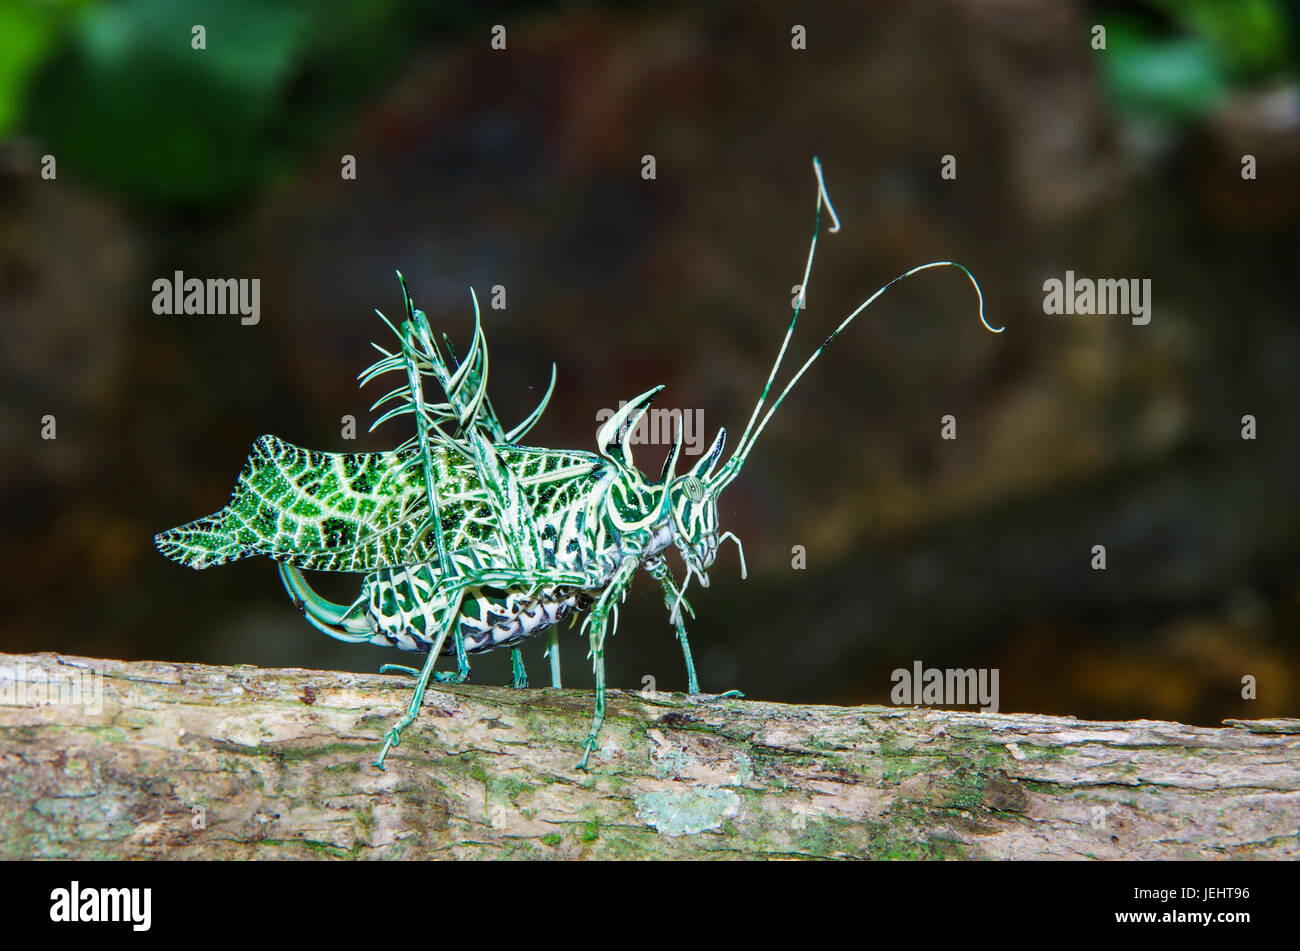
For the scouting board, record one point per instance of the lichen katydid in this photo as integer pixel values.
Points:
(469, 540)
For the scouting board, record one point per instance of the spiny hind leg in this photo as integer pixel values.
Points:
(393, 621)
(440, 676)
(394, 735)
(479, 613)
(444, 616)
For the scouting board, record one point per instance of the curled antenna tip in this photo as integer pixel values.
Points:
(974, 283)
(823, 196)
(980, 294)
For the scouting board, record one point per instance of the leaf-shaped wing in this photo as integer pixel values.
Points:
(457, 484)
(329, 511)
(361, 511)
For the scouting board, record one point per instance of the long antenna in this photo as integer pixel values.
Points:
(822, 196)
(751, 433)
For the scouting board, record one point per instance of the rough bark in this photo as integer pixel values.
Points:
(190, 761)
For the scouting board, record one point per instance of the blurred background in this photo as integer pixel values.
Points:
(523, 167)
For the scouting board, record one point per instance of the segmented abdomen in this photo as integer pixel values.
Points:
(405, 611)
(495, 618)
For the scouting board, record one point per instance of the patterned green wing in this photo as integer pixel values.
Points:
(366, 510)
(322, 510)
(363, 511)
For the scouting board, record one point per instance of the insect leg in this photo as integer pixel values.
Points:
(446, 622)
(408, 605)
(394, 736)
(597, 620)
(598, 666)
(520, 678)
(553, 652)
(462, 661)
(658, 569)
(670, 597)
(443, 677)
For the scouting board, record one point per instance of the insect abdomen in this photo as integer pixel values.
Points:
(491, 618)
(404, 612)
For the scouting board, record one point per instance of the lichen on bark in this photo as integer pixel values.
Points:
(190, 761)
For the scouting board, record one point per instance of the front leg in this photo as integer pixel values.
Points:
(658, 569)
(596, 620)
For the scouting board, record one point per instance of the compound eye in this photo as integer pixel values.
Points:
(693, 488)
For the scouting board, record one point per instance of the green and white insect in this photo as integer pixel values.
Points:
(470, 541)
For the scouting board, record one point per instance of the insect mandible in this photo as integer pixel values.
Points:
(470, 541)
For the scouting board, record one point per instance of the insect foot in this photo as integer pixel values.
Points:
(393, 738)
(394, 735)
(589, 745)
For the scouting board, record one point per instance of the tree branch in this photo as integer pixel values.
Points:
(189, 761)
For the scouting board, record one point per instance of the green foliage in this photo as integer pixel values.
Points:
(29, 33)
(1185, 56)
(1249, 37)
(126, 101)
